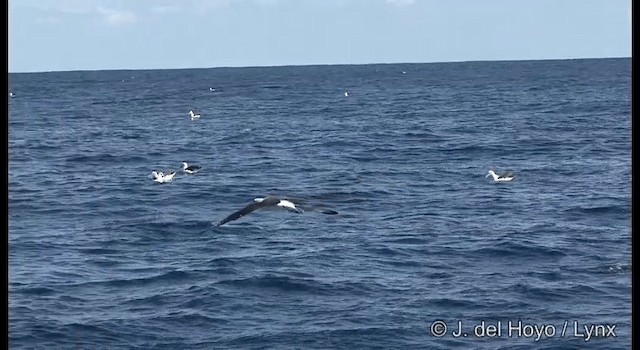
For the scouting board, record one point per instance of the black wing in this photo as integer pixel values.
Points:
(249, 209)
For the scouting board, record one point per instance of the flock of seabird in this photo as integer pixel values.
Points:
(267, 203)
(274, 202)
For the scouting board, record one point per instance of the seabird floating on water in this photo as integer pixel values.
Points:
(190, 169)
(346, 94)
(194, 115)
(506, 177)
(161, 177)
(212, 89)
(269, 203)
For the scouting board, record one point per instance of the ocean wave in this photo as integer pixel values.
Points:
(100, 255)
(519, 250)
(35, 291)
(601, 210)
(154, 279)
(280, 283)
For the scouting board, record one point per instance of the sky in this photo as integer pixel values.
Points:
(62, 35)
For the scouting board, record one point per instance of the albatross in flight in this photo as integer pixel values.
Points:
(269, 203)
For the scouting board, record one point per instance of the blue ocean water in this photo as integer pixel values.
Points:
(101, 256)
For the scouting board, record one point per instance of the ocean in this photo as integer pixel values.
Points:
(426, 252)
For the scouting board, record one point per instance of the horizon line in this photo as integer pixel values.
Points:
(317, 64)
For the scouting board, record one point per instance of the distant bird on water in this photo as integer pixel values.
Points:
(190, 169)
(506, 177)
(160, 177)
(194, 115)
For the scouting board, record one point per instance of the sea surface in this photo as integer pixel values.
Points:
(101, 256)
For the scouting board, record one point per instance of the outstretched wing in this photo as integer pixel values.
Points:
(249, 209)
(304, 206)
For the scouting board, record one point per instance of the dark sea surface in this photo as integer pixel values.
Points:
(101, 256)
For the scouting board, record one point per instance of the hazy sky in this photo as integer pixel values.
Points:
(51, 35)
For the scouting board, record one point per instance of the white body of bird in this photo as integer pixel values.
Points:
(284, 204)
(194, 115)
(161, 177)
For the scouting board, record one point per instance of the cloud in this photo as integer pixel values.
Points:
(74, 10)
(48, 20)
(204, 6)
(401, 2)
(57, 11)
(268, 2)
(162, 9)
(117, 17)
(61, 6)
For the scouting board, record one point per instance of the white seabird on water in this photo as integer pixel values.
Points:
(194, 115)
(268, 203)
(161, 177)
(346, 94)
(506, 177)
(212, 89)
(190, 169)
